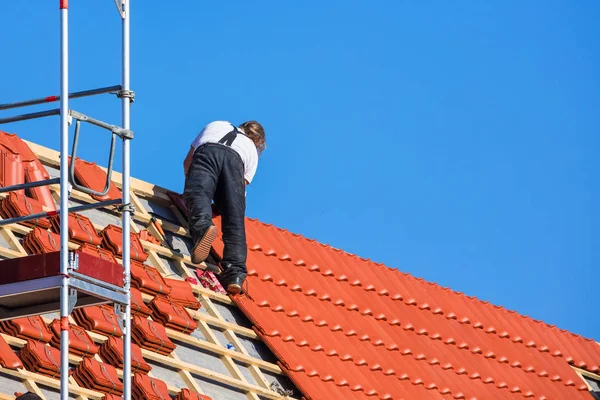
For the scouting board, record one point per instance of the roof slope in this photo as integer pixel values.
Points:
(345, 327)
(341, 327)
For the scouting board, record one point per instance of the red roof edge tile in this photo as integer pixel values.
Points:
(19, 165)
(90, 175)
(8, 358)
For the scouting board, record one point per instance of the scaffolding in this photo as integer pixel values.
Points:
(72, 279)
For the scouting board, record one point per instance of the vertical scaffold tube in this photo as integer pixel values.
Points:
(126, 200)
(64, 199)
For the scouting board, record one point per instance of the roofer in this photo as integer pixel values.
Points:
(222, 160)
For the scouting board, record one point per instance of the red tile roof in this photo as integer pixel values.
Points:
(341, 326)
(346, 327)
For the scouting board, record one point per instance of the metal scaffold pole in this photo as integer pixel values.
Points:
(127, 99)
(64, 199)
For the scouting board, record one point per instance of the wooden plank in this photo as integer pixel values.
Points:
(216, 348)
(150, 355)
(52, 383)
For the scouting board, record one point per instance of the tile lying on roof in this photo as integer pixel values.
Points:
(100, 319)
(98, 252)
(147, 388)
(148, 280)
(344, 326)
(41, 358)
(98, 376)
(151, 335)
(18, 205)
(40, 241)
(172, 315)
(112, 239)
(80, 343)
(19, 165)
(27, 328)
(182, 294)
(81, 229)
(111, 352)
(187, 394)
(8, 359)
(138, 307)
(90, 175)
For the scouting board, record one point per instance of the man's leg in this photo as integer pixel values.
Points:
(230, 198)
(200, 186)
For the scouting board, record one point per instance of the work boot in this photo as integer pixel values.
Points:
(231, 278)
(202, 247)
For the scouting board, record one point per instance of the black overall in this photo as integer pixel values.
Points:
(217, 173)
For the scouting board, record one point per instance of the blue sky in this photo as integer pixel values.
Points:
(457, 141)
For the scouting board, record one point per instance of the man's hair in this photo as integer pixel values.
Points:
(256, 132)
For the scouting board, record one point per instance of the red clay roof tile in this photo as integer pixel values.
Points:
(100, 319)
(147, 236)
(111, 352)
(40, 241)
(182, 294)
(81, 229)
(8, 358)
(146, 388)
(95, 375)
(80, 342)
(138, 307)
(151, 335)
(18, 205)
(347, 327)
(27, 328)
(112, 239)
(148, 280)
(187, 394)
(172, 315)
(90, 175)
(98, 252)
(40, 358)
(18, 164)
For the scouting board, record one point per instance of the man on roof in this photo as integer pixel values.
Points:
(221, 161)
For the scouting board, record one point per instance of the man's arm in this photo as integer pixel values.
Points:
(188, 161)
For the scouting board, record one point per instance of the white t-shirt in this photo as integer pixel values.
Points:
(242, 144)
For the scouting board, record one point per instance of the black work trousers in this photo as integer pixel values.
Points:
(217, 173)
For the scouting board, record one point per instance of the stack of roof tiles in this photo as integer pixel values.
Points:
(341, 327)
(95, 375)
(41, 358)
(147, 388)
(112, 353)
(40, 241)
(17, 205)
(81, 229)
(80, 342)
(172, 315)
(151, 335)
